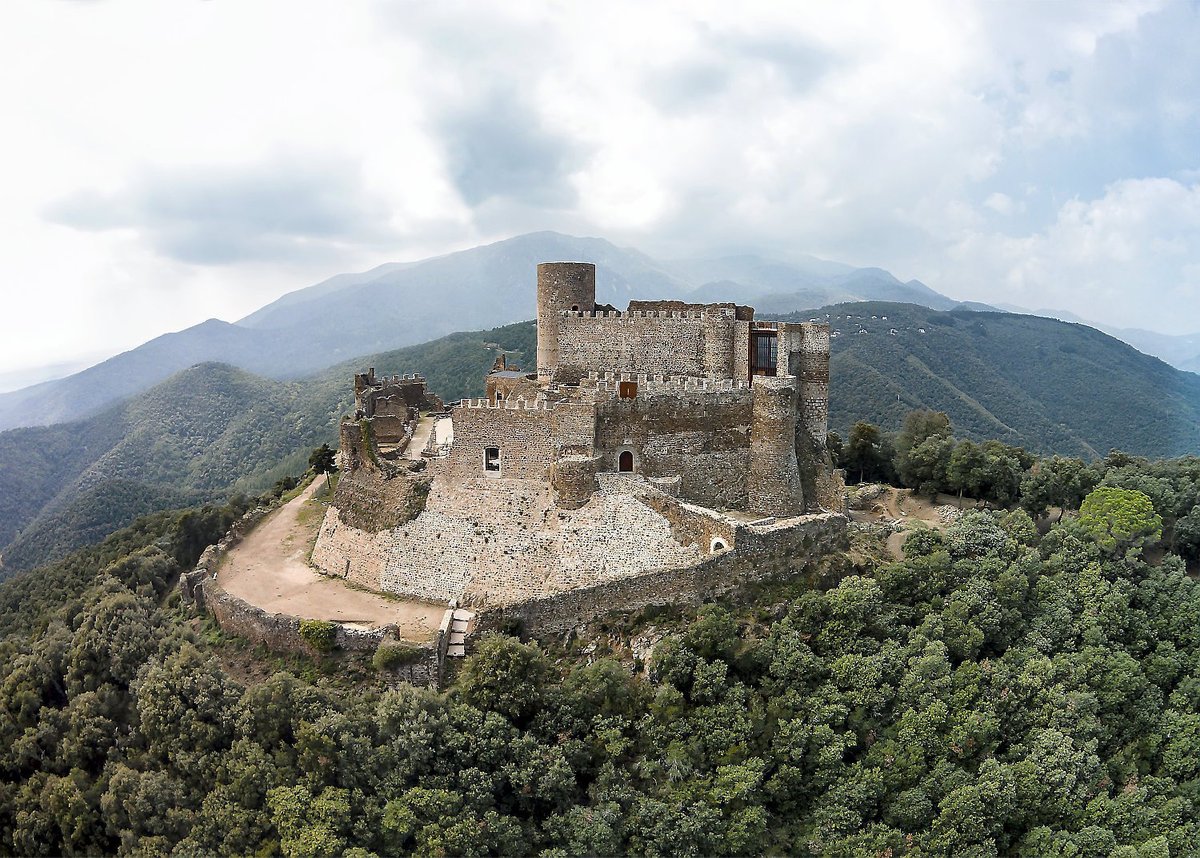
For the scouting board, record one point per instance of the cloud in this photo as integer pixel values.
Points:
(281, 209)
(1129, 258)
(498, 146)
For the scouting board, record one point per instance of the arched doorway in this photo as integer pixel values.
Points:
(625, 462)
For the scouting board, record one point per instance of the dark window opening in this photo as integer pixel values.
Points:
(491, 459)
(499, 396)
(764, 352)
(627, 389)
(625, 462)
(718, 545)
(574, 308)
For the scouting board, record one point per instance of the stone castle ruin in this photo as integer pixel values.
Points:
(669, 452)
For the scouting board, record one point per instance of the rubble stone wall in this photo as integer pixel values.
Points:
(761, 555)
(702, 438)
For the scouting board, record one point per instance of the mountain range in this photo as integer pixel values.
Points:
(398, 304)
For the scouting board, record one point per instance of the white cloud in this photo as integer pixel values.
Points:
(1125, 258)
(901, 135)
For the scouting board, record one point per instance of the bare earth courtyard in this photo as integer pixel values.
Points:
(269, 568)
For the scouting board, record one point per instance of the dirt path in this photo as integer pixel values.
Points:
(269, 568)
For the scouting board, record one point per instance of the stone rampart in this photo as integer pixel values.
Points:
(777, 551)
(646, 341)
(281, 632)
(704, 438)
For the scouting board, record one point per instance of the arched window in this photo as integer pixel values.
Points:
(625, 462)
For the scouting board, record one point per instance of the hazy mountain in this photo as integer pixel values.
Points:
(402, 303)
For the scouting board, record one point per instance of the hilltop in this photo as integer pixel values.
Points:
(1041, 384)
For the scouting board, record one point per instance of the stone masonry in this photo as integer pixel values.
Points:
(672, 449)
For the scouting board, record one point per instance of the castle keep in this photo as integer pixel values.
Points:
(667, 452)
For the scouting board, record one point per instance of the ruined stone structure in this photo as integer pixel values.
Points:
(670, 442)
(392, 404)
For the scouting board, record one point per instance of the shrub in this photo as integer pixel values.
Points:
(318, 634)
(390, 655)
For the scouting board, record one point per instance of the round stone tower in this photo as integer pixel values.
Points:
(560, 286)
(773, 484)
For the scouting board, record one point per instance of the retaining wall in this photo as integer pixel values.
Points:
(281, 632)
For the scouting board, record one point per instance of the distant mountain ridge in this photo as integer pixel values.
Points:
(1047, 385)
(398, 304)
(1182, 351)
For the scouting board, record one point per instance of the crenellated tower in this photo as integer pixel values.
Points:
(561, 287)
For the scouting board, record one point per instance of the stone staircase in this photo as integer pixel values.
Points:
(458, 626)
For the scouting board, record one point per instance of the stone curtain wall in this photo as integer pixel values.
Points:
(489, 542)
(683, 342)
(345, 551)
(704, 438)
(281, 632)
(762, 554)
(522, 430)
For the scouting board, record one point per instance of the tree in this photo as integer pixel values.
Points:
(1059, 482)
(967, 470)
(505, 676)
(323, 461)
(864, 452)
(1119, 518)
(918, 426)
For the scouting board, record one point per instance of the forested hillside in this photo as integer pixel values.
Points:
(996, 692)
(206, 432)
(1042, 384)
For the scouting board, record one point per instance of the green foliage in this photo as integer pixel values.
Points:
(322, 460)
(505, 676)
(867, 455)
(321, 635)
(996, 692)
(1118, 518)
(1026, 381)
(390, 655)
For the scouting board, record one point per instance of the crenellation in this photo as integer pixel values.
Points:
(648, 450)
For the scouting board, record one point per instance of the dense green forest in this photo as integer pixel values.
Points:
(1048, 386)
(1006, 688)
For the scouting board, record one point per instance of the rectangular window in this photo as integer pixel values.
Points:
(764, 352)
(628, 389)
(491, 459)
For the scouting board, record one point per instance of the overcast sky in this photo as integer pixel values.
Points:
(164, 163)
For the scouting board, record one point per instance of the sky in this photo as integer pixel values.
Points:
(165, 163)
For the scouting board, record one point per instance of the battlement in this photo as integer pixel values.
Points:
(711, 313)
(508, 404)
(610, 381)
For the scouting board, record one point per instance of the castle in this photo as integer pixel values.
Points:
(668, 452)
